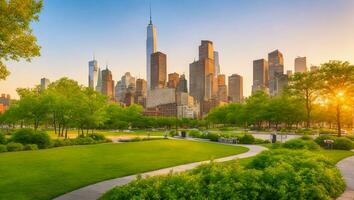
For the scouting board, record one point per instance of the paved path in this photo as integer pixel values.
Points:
(346, 167)
(93, 192)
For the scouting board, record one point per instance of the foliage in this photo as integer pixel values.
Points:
(320, 139)
(97, 136)
(247, 139)
(29, 136)
(343, 143)
(194, 133)
(277, 174)
(12, 146)
(30, 147)
(16, 38)
(3, 148)
(2, 138)
(301, 144)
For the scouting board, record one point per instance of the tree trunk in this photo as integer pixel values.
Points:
(338, 121)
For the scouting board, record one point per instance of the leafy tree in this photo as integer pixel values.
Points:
(16, 38)
(306, 86)
(338, 86)
(256, 108)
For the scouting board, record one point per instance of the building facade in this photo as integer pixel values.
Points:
(235, 88)
(216, 63)
(182, 84)
(158, 70)
(5, 101)
(276, 68)
(107, 84)
(173, 79)
(93, 74)
(150, 49)
(44, 84)
(300, 65)
(260, 75)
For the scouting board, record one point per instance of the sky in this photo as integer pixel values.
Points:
(70, 32)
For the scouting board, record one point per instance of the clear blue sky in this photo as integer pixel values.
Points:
(70, 31)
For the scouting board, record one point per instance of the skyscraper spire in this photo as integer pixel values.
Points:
(150, 14)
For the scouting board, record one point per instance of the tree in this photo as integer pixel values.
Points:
(16, 38)
(306, 86)
(337, 86)
(256, 108)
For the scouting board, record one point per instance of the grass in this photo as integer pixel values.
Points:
(45, 174)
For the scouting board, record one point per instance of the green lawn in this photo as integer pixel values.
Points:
(45, 174)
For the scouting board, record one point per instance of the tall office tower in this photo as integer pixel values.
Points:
(93, 73)
(44, 84)
(182, 84)
(216, 63)
(158, 70)
(173, 80)
(150, 49)
(276, 68)
(201, 73)
(260, 75)
(236, 88)
(222, 88)
(141, 87)
(300, 64)
(124, 86)
(107, 83)
(99, 81)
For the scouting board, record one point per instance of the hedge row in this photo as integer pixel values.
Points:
(275, 174)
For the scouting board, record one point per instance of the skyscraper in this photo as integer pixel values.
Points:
(140, 92)
(173, 79)
(150, 49)
(107, 83)
(276, 68)
(222, 88)
(182, 84)
(124, 86)
(260, 75)
(158, 70)
(216, 63)
(99, 81)
(235, 88)
(300, 64)
(44, 84)
(93, 73)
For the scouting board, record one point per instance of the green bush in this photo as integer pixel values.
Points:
(2, 138)
(327, 132)
(350, 137)
(60, 142)
(320, 139)
(83, 141)
(301, 144)
(343, 143)
(29, 136)
(28, 147)
(306, 137)
(194, 133)
(211, 136)
(12, 146)
(97, 136)
(172, 133)
(3, 148)
(247, 139)
(277, 145)
(275, 174)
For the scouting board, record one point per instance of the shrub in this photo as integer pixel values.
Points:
(211, 136)
(194, 133)
(350, 137)
(12, 146)
(320, 139)
(276, 174)
(3, 148)
(276, 145)
(343, 143)
(306, 137)
(29, 136)
(2, 138)
(301, 144)
(97, 136)
(247, 139)
(30, 147)
(60, 143)
(327, 132)
(172, 133)
(83, 141)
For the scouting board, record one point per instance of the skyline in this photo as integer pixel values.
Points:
(241, 32)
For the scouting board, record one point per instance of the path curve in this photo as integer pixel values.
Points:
(94, 191)
(346, 167)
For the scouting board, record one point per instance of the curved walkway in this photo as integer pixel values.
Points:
(94, 191)
(346, 167)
